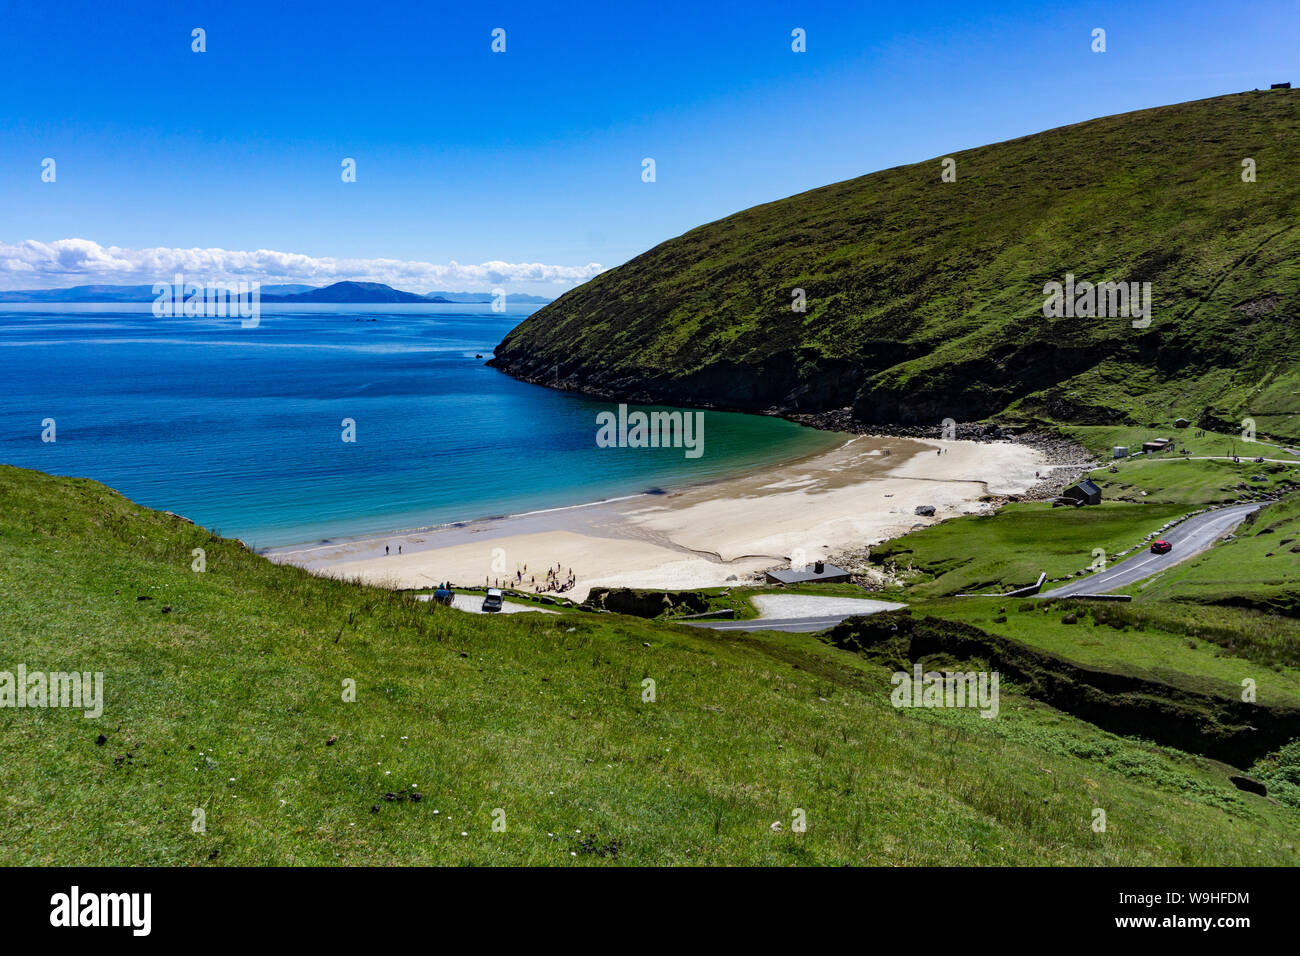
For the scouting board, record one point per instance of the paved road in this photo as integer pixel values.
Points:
(781, 612)
(1189, 539)
(791, 624)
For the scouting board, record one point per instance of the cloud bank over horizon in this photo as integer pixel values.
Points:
(31, 264)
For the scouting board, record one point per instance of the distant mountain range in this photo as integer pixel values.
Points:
(356, 293)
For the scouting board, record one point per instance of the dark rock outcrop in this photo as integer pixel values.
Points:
(640, 603)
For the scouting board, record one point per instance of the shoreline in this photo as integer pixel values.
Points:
(343, 540)
(724, 530)
(463, 523)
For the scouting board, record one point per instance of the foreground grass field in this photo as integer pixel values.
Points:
(224, 693)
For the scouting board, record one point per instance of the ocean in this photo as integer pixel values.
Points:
(241, 430)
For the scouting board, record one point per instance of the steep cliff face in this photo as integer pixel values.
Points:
(925, 298)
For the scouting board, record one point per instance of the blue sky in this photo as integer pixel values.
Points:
(532, 156)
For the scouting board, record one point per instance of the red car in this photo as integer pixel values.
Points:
(1161, 547)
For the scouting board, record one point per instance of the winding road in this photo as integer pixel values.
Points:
(799, 613)
(1189, 539)
(789, 624)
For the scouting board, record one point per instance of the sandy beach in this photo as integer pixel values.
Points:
(862, 492)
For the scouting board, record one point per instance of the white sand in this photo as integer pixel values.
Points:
(853, 496)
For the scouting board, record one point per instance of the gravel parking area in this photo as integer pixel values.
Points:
(473, 603)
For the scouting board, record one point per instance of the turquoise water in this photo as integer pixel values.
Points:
(240, 429)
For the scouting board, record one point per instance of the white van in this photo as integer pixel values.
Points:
(493, 600)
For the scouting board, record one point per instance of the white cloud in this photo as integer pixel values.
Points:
(67, 262)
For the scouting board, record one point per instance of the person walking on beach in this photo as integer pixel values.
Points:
(385, 550)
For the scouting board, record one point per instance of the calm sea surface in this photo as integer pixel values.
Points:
(240, 429)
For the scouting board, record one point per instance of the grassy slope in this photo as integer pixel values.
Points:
(1172, 648)
(1203, 625)
(1101, 440)
(925, 298)
(541, 716)
(1006, 550)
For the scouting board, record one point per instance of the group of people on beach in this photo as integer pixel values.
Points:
(551, 580)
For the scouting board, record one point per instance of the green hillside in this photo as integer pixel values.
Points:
(925, 298)
(223, 693)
